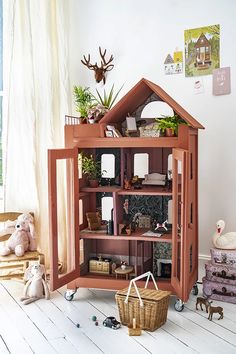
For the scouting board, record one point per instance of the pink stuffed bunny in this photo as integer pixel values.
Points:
(29, 224)
(22, 239)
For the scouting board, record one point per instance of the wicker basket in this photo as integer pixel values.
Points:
(149, 307)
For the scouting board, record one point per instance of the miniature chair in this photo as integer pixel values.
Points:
(12, 266)
(94, 220)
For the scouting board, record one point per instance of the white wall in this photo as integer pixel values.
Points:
(140, 34)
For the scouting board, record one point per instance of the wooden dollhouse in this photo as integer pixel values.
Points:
(105, 250)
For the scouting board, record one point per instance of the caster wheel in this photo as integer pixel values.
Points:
(195, 289)
(69, 295)
(104, 324)
(179, 305)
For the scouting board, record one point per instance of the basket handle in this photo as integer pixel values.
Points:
(132, 282)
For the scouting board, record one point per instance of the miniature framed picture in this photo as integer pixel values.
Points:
(131, 123)
(109, 133)
(221, 81)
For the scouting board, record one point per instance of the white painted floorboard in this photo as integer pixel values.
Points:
(49, 326)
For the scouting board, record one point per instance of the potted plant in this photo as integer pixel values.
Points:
(83, 101)
(168, 125)
(95, 113)
(104, 103)
(92, 169)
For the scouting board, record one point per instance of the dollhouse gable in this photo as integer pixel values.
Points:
(137, 97)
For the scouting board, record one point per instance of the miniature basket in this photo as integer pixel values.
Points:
(134, 331)
(148, 306)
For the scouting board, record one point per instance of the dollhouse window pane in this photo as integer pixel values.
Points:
(169, 212)
(80, 212)
(157, 109)
(80, 166)
(107, 206)
(141, 162)
(108, 165)
(170, 164)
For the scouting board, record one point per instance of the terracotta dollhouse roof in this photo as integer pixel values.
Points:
(137, 96)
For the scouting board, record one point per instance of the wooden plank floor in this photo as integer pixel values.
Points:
(49, 326)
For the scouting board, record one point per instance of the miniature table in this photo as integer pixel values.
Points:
(126, 271)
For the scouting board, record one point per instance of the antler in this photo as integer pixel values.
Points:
(104, 64)
(99, 72)
(87, 63)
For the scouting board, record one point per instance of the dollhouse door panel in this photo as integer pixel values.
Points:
(63, 216)
(179, 226)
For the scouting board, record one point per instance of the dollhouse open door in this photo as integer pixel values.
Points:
(180, 274)
(63, 187)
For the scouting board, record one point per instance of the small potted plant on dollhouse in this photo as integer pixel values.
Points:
(92, 169)
(96, 112)
(168, 125)
(101, 104)
(83, 102)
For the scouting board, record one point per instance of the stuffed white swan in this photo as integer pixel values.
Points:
(226, 241)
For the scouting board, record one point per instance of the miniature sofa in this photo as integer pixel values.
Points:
(154, 179)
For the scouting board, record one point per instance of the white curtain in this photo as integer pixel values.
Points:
(36, 88)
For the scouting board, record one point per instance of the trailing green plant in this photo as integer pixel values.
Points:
(108, 98)
(91, 168)
(169, 122)
(83, 100)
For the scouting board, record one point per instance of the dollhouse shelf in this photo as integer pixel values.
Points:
(126, 142)
(136, 236)
(106, 189)
(157, 190)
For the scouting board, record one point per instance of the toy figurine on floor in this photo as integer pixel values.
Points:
(202, 301)
(215, 309)
(36, 287)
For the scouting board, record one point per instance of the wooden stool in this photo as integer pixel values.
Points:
(126, 271)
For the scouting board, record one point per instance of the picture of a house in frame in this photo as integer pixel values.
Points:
(174, 65)
(202, 50)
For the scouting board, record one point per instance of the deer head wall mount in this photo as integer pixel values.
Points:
(99, 72)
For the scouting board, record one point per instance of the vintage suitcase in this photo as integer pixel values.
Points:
(223, 257)
(221, 274)
(219, 291)
(100, 266)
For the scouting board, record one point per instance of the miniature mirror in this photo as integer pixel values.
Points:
(141, 165)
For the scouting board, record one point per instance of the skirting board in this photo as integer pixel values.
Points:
(204, 257)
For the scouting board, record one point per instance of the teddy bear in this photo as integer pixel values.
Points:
(22, 239)
(36, 287)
